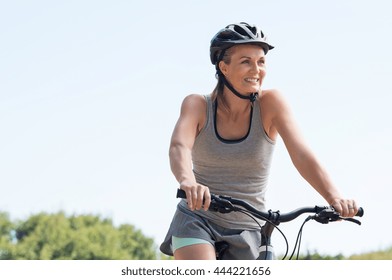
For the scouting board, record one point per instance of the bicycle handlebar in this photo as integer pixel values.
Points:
(226, 204)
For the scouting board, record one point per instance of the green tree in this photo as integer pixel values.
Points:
(6, 229)
(84, 237)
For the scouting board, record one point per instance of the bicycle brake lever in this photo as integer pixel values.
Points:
(355, 221)
(221, 205)
(326, 216)
(321, 220)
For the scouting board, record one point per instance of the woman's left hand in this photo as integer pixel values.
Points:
(346, 207)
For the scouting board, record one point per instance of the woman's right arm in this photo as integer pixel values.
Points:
(189, 124)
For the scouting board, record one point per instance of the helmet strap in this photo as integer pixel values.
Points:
(252, 97)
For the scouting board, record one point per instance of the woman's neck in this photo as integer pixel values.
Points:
(233, 104)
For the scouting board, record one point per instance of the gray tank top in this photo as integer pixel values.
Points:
(237, 168)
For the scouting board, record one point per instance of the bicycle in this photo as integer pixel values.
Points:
(227, 204)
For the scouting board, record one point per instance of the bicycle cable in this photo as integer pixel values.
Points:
(299, 239)
(250, 214)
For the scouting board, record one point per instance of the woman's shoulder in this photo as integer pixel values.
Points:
(272, 106)
(272, 98)
(195, 97)
(268, 94)
(195, 104)
(195, 101)
(273, 103)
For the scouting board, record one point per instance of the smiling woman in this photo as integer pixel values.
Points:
(244, 66)
(223, 143)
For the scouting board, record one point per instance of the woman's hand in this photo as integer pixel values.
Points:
(346, 207)
(197, 195)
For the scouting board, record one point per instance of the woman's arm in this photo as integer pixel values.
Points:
(283, 123)
(189, 124)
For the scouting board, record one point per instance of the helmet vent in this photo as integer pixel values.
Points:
(241, 31)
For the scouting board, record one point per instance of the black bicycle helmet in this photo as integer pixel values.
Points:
(234, 34)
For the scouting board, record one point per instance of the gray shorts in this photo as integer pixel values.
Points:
(243, 244)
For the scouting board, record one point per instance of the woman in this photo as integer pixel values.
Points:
(223, 143)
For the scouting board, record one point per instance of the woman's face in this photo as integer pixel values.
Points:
(246, 69)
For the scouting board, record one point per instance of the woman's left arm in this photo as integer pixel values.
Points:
(283, 123)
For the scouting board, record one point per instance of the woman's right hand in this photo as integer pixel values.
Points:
(197, 195)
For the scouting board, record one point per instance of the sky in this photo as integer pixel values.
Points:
(90, 92)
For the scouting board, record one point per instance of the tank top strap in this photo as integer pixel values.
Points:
(209, 112)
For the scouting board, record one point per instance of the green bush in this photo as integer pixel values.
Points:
(84, 237)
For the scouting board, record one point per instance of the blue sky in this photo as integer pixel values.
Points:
(90, 92)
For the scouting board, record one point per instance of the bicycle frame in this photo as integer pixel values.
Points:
(267, 251)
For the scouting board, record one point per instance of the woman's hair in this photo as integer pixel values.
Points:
(218, 90)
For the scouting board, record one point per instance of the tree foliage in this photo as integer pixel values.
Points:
(84, 237)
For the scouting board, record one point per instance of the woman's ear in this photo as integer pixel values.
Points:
(223, 67)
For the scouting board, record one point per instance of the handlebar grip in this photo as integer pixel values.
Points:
(360, 212)
(181, 193)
